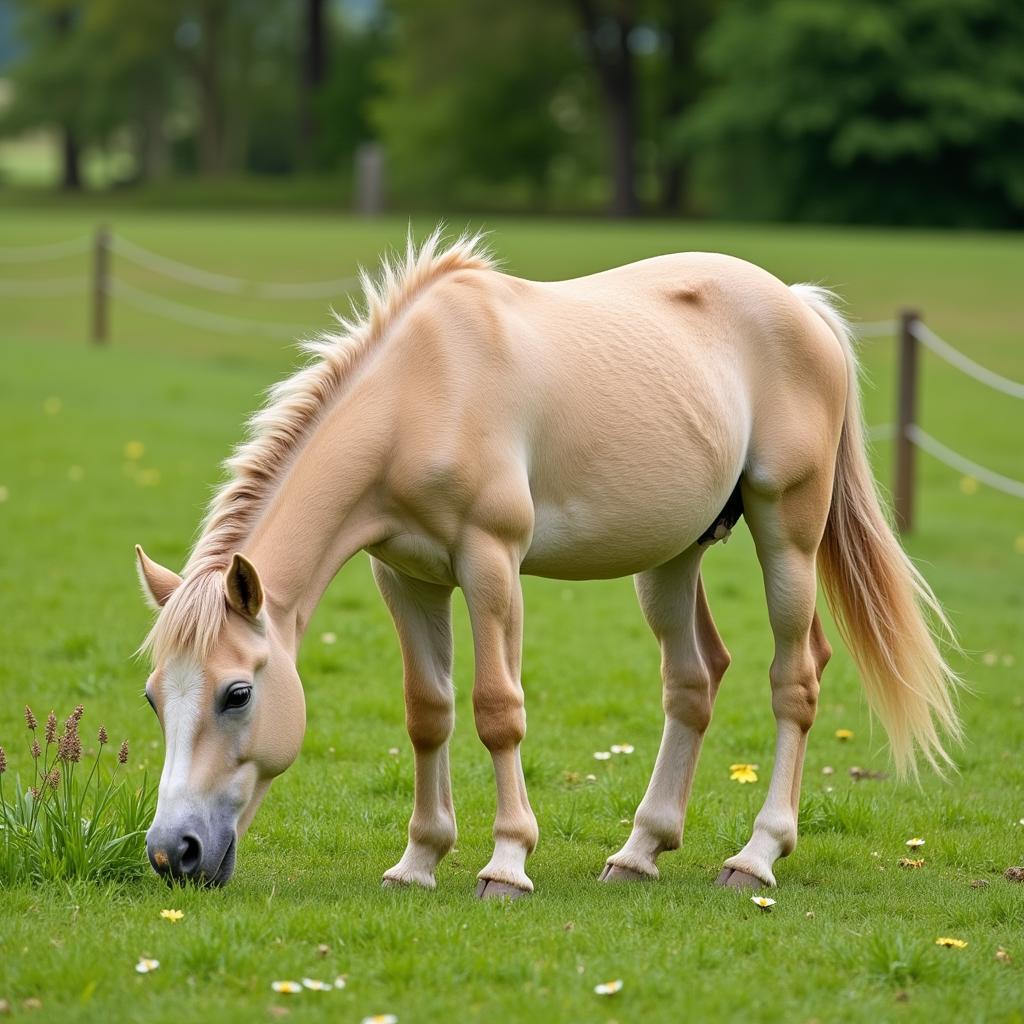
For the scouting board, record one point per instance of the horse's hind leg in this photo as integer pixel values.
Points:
(693, 661)
(787, 529)
(422, 614)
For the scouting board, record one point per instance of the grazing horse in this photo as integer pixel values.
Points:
(471, 426)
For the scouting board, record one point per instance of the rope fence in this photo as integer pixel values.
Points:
(191, 316)
(224, 284)
(909, 330)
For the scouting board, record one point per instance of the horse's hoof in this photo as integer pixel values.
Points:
(617, 873)
(490, 890)
(730, 878)
(393, 883)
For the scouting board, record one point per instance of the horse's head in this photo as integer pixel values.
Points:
(231, 707)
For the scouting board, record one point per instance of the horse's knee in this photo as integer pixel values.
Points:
(430, 716)
(500, 716)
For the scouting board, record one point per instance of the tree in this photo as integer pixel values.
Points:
(864, 110)
(607, 35)
(471, 104)
(313, 74)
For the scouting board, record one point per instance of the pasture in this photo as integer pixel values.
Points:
(852, 937)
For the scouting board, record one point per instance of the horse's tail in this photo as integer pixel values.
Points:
(880, 601)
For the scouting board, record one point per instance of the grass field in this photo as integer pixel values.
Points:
(853, 935)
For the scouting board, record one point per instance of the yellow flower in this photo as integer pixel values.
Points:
(909, 862)
(968, 485)
(950, 943)
(915, 842)
(288, 988)
(764, 902)
(172, 915)
(145, 965)
(609, 988)
(743, 773)
(316, 986)
(134, 450)
(844, 734)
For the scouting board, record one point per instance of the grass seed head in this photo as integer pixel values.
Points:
(70, 747)
(77, 713)
(102, 736)
(30, 719)
(51, 728)
(53, 778)
(3, 760)
(122, 753)
(34, 749)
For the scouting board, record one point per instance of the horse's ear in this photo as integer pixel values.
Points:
(242, 587)
(157, 582)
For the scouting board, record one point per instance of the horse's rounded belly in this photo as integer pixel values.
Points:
(579, 540)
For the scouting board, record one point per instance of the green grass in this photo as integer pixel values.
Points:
(852, 937)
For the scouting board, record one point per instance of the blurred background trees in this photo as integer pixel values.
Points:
(886, 111)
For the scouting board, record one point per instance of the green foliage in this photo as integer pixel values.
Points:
(863, 110)
(63, 828)
(897, 960)
(487, 97)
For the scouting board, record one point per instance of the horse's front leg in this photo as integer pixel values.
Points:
(489, 576)
(423, 619)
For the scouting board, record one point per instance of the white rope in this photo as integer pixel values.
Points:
(46, 286)
(224, 283)
(172, 268)
(875, 329)
(41, 253)
(193, 317)
(956, 461)
(965, 364)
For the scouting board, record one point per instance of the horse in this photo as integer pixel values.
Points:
(469, 426)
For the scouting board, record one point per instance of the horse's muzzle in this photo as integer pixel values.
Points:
(193, 853)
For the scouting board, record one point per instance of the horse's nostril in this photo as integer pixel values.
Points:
(191, 854)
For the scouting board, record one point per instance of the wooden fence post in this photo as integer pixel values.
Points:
(100, 285)
(906, 416)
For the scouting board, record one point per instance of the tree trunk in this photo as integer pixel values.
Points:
(314, 71)
(685, 25)
(614, 66)
(213, 122)
(71, 176)
(622, 136)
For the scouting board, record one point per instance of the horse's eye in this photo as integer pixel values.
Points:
(237, 697)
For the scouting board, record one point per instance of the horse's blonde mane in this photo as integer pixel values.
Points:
(192, 618)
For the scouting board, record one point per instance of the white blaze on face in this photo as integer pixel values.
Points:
(182, 693)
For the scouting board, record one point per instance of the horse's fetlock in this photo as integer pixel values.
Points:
(438, 833)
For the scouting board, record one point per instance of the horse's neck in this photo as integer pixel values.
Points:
(321, 514)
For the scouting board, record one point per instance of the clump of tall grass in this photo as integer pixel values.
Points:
(74, 820)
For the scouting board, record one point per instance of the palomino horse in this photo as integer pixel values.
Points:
(472, 426)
